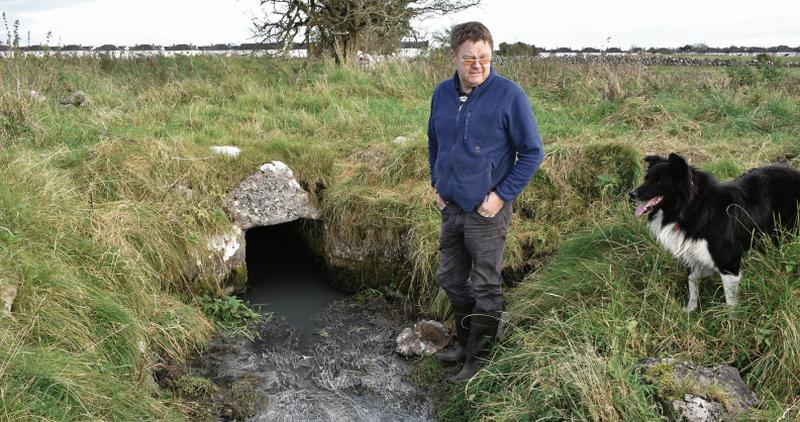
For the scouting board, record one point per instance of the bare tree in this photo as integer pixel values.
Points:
(340, 27)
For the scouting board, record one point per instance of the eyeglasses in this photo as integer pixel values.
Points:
(469, 62)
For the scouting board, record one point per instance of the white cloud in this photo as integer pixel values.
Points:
(95, 22)
(12, 7)
(573, 23)
(561, 23)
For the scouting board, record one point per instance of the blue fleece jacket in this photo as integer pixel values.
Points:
(490, 143)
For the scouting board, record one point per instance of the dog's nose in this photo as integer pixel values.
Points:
(632, 194)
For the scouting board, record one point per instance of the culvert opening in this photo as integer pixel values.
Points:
(285, 278)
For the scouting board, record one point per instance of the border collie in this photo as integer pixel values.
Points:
(709, 225)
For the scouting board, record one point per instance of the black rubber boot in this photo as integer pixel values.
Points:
(482, 332)
(462, 316)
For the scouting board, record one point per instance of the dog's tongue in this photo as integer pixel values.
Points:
(643, 206)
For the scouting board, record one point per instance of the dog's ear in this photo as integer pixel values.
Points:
(678, 166)
(653, 159)
(685, 189)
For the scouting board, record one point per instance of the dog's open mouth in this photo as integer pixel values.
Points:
(648, 205)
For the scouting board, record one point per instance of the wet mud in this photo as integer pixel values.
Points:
(346, 370)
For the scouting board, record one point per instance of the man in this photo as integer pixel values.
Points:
(484, 147)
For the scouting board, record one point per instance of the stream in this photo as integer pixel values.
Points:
(320, 355)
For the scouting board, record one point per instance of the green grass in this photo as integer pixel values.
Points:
(98, 232)
(611, 296)
(231, 314)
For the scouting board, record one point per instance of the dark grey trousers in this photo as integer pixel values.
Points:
(471, 256)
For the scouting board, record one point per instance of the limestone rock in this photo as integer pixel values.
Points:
(694, 393)
(503, 325)
(77, 99)
(184, 191)
(694, 408)
(400, 140)
(375, 156)
(8, 292)
(340, 253)
(228, 246)
(223, 262)
(424, 339)
(228, 150)
(268, 197)
(36, 96)
(344, 251)
(369, 61)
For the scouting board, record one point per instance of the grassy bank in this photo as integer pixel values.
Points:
(99, 235)
(612, 296)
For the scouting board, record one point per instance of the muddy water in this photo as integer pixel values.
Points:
(323, 355)
(285, 281)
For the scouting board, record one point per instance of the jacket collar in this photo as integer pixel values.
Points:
(481, 87)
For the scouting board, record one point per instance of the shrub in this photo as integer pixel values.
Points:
(741, 76)
(771, 74)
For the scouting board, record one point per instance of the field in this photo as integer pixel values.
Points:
(98, 235)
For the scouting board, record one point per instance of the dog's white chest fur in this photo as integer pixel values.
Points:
(693, 252)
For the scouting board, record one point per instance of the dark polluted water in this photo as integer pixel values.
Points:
(323, 355)
(283, 279)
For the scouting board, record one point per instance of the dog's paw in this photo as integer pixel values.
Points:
(690, 308)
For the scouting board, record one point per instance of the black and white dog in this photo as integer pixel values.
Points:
(709, 225)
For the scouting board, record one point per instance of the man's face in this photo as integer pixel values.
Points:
(468, 57)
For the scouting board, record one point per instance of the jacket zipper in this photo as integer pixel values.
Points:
(453, 146)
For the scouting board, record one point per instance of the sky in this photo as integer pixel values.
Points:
(560, 23)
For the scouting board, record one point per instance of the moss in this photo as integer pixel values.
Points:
(198, 397)
(718, 394)
(244, 398)
(236, 280)
(370, 272)
(662, 376)
(194, 387)
(672, 387)
(428, 372)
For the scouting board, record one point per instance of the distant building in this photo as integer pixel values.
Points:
(145, 50)
(110, 50)
(409, 49)
(36, 50)
(272, 49)
(182, 50)
(76, 50)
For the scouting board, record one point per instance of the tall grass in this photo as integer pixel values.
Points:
(104, 209)
(612, 296)
(85, 312)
